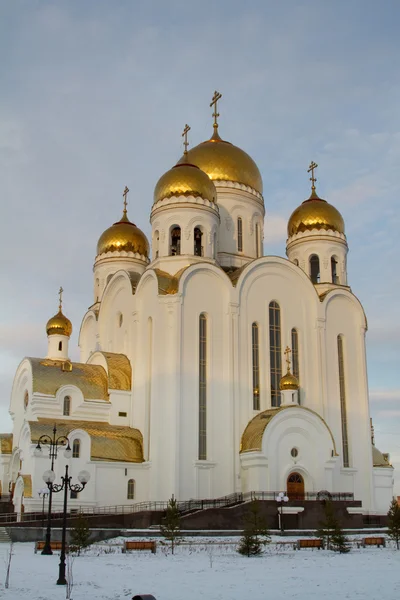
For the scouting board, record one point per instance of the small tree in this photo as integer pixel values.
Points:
(171, 524)
(339, 542)
(255, 531)
(79, 535)
(328, 526)
(394, 522)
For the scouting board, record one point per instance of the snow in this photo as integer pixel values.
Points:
(209, 569)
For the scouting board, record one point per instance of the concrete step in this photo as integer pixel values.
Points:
(4, 537)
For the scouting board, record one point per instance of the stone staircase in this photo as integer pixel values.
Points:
(4, 537)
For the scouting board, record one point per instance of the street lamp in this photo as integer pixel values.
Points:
(43, 493)
(48, 478)
(281, 498)
(53, 442)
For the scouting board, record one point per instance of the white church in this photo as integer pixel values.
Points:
(206, 368)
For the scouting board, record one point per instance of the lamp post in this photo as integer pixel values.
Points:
(43, 493)
(281, 498)
(53, 443)
(48, 478)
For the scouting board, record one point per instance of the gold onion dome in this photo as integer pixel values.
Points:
(222, 161)
(289, 382)
(123, 236)
(59, 324)
(185, 179)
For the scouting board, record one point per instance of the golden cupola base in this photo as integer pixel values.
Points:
(315, 213)
(123, 236)
(185, 179)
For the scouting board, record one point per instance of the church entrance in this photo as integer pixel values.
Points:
(295, 487)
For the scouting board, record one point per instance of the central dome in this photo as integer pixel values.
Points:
(185, 179)
(222, 161)
(123, 236)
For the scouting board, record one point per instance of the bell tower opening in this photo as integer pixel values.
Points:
(175, 245)
(198, 248)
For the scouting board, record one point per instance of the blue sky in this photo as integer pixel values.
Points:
(94, 96)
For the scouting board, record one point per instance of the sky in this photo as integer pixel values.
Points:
(95, 95)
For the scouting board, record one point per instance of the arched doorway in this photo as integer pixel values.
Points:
(295, 487)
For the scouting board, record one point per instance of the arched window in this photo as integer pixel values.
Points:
(296, 262)
(343, 411)
(59, 346)
(198, 248)
(175, 242)
(76, 448)
(131, 489)
(314, 269)
(120, 319)
(335, 278)
(26, 399)
(255, 343)
(240, 234)
(202, 387)
(275, 352)
(67, 406)
(258, 252)
(156, 243)
(97, 289)
(295, 353)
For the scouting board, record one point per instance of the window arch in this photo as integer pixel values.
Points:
(275, 352)
(315, 273)
(26, 399)
(203, 387)
(59, 346)
(197, 239)
(175, 241)
(343, 411)
(255, 344)
(240, 234)
(67, 406)
(76, 448)
(295, 353)
(296, 262)
(334, 263)
(131, 489)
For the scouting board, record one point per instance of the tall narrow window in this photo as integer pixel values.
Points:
(335, 278)
(131, 489)
(256, 366)
(202, 387)
(67, 406)
(156, 243)
(275, 352)
(198, 248)
(76, 448)
(175, 243)
(295, 353)
(240, 234)
(59, 346)
(258, 253)
(314, 269)
(343, 413)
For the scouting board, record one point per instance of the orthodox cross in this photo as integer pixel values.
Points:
(185, 141)
(217, 96)
(60, 293)
(287, 354)
(313, 179)
(126, 190)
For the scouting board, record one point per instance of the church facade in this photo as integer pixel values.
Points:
(205, 367)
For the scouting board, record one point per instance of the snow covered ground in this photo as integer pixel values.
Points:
(197, 572)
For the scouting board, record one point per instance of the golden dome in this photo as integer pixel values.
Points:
(289, 382)
(222, 161)
(185, 179)
(59, 325)
(123, 236)
(315, 213)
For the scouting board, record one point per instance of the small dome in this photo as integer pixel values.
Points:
(59, 325)
(222, 161)
(315, 213)
(185, 179)
(289, 382)
(123, 236)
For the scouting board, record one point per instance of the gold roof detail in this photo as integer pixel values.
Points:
(123, 236)
(59, 324)
(6, 443)
(108, 442)
(27, 479)
(288, 381)
(48, 376)
(185, 179)
(119, 371)
(379, 459)
(252, 436)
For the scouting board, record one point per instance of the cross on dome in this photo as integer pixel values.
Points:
(287, 353)
(313, 179)
(217, 96)
(125, 194)
(60, 293)
(185, 141)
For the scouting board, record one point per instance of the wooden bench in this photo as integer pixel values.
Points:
(311, 543)
(53, 545)
(374, 541)
(139, 546)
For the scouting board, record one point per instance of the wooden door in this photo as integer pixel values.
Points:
(295, 487)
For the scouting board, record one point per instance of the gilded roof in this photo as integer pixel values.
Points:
(315, 213)
(379, 459)
(185, 180)
(108, 442)
(119, 371)
(222, 161)
(27, 486)
(6, 443)
(48, 377)
(123, 236)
